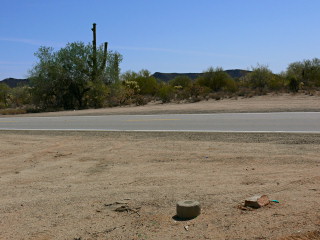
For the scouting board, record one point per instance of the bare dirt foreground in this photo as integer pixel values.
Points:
(84, 185)
(283, 102)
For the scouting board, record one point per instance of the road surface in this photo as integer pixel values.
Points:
(221, 122)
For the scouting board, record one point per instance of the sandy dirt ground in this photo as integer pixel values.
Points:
(58, 185)
(267, 103)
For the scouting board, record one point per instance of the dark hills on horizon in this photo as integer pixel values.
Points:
(15, 82)
(165, 77)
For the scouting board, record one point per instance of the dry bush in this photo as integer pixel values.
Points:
(217, 95)
(141, 100)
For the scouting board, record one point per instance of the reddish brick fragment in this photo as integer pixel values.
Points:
(257, 201)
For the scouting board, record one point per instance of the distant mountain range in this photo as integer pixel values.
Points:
(165, 77)
(14, 82)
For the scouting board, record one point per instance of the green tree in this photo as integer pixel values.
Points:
(128, 76)
(73, 62)
(63, 79)
(112, 72)
(44, 77)
(75, 76)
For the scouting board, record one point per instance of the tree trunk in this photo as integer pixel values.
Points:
(94, 53)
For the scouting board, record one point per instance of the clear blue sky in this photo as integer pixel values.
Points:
(164, 35)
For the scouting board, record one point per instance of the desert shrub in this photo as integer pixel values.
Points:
(181, 85)
(147, 84)
(34, 109)
(260, 92)
(141, 100)
(214, 78)
(2, 105)
(180, 93)
(119, 95)
(97, 95)
(306, 72)
(277, 82)
(246, 92)
(259, 77)
(20, 96)
(293, 84)
(230, 86)
(182, 81)
(14, 97)
(165, 93)
(217, 96)
(133, 85)
(196, 90)
(4, 95)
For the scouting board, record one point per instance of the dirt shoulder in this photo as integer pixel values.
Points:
(67, 185)
(268, 103)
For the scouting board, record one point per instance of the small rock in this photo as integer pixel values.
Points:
(257, 201)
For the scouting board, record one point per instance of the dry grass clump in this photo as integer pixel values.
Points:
(12, 111)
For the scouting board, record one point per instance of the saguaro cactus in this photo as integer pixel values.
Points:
(97, 69)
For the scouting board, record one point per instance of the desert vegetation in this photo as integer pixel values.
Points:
(82, 76)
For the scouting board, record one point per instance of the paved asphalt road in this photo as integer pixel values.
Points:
(222, 122)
